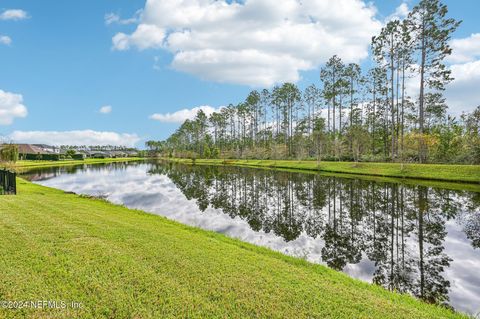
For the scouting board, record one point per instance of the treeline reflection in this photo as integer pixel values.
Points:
(400, 228)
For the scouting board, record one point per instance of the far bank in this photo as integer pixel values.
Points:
(433, 172)
(30, 164)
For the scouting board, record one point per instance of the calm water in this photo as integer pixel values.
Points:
(415, 239)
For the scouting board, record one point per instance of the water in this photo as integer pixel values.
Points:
(415, 239)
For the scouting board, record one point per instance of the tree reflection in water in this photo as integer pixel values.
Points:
(400, 228)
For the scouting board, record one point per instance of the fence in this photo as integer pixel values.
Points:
(8, 182)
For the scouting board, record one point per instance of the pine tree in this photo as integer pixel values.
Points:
(431, 30)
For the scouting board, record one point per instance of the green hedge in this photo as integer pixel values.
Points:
(40, 157)
(78, 157)
(50, 157)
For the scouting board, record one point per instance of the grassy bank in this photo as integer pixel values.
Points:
(121, 263)
(435, 172)
(29, 164)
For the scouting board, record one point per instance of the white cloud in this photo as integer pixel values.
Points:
(255, 42)
(11, 107)
(84, 137)
(111, 18)
(465, 50)
(401, 12)
(14, 14)
(182, 115)
(107, 109)
(249, 67)
(146, 36)
(5, 39)
(463, 93)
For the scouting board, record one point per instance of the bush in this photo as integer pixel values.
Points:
(9, 153)
(372, 158)
(77, 157)
(41, 157)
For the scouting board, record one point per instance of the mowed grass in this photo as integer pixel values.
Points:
(27, 164)
(122, 263)
(438, 172)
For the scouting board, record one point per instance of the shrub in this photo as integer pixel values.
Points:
(77, 156)
(41, 157)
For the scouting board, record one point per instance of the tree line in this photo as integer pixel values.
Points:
(355, 114)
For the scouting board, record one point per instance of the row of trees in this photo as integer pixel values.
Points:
(356, 114)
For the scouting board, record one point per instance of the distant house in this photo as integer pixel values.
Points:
(38, 151)
(48, 149)
(110, 154)
(83, 153)
(99, 154)
(131, 153)
(30, 149)
(43, 151)
(92, 154)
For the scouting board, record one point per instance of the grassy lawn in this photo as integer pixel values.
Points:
(438, 172)
(122, 263)
(27, 164)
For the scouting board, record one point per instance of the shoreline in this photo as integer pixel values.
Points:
(310, 167)
(25, 164)
(69, 238)
(461, 174)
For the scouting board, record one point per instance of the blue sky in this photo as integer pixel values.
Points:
(61, 62)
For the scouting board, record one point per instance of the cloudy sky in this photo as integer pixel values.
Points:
(124, 71)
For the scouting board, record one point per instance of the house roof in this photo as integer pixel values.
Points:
(44, 146)
(31, 149)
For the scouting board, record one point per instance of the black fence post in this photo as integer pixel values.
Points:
(2, 182)
(8, 182)
(13, 183)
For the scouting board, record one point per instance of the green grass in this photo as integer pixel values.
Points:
(27, 164)
(122, 263)
(436, 172)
